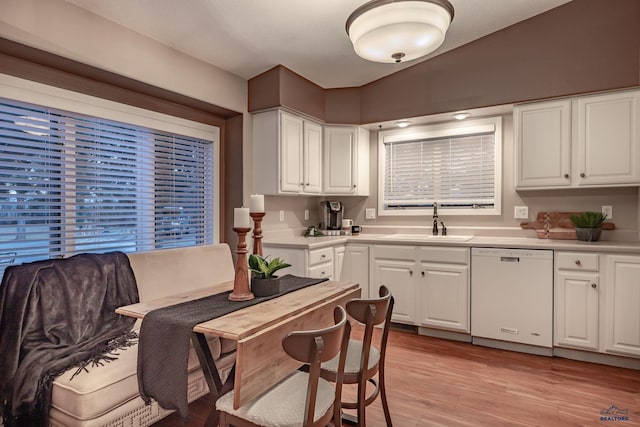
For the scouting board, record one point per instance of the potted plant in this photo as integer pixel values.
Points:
(264, 283)
(588, 225)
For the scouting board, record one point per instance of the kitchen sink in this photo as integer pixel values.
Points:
(428, 237)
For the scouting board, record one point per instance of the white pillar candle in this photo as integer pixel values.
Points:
(241, 218)
(257, 203)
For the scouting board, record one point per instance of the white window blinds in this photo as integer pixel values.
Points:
(72, 183)
(457, 171)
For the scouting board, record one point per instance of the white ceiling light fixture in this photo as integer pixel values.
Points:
(399, 30)
(402, 123)
(461, 115)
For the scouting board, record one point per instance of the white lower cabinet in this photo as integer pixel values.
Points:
(597, 300)
(339, 253)
(577, 288)
(356, 268)
(395, 267)
(622, 308)
(318, 263)
(430, 285)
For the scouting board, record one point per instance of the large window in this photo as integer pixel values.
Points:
(456, 165)
(72, 182)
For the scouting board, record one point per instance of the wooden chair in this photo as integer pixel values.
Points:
(364, 360)
(303, 398)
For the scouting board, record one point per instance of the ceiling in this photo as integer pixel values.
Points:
(248, 37)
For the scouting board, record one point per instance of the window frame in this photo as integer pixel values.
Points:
(49, 96)
(442, 130)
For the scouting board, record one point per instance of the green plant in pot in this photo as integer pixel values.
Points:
(264, 283)
(588, 225)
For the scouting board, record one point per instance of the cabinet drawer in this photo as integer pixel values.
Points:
(321, 271)
(320, 255)
(577, 261)
(445, 255)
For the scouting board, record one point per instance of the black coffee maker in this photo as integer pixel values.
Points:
(331, 213)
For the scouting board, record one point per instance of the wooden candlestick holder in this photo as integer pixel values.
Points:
(241, 291)
(257, 232)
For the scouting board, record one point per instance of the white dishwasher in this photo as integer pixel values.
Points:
(512, 295)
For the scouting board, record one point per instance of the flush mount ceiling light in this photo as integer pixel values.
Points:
(398, 30)
(461, 115)
(402, 123)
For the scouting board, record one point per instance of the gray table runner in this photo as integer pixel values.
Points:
(163, 349)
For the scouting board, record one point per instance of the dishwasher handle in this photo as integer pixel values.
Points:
(509, 259)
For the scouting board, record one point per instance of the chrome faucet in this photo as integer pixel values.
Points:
(435, 218)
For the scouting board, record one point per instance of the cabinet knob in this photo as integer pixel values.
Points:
(578, 262)
(582, 175)
(593, 285)
(307, 184)
(410, 272)
(323, 256)
(354, 186)
(566, 175)
(422, 273)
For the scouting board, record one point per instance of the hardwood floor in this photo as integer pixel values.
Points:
(435, 382)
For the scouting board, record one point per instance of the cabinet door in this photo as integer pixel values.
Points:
(398, 276)
(443, 300)
(291, 153)
(543, 140)
(338, 262)
(312, 158)
(576, 309)
(356, 269)
(622, 313)
(607, 139)
(340, 160)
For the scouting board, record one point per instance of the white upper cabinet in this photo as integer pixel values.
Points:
(346, 160)
(291, 155)
(590, 141)
(287, 154)
(608, 128)
(543, 135)
(312, 157)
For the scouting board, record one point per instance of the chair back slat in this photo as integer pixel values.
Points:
(370, 311)
(315, 347)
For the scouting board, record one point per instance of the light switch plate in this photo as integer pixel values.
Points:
(370, 213)
(281, 215)
(608, 210)
(306, 214)
(521, 212)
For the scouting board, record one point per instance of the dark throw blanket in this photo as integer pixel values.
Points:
(163, 349)
(55, 314)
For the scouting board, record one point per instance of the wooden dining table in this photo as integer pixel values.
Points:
(258, 331)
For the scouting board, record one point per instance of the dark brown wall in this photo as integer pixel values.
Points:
(342, 105)
(281, 87)
(232, 173)
(582, 46)
(36, 65)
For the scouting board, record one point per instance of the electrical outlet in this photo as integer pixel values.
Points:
(306, 214)
(521, 212)
(281, 215)
(370, 213)
(608, 210)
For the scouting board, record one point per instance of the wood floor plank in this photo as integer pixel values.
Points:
(434, 382)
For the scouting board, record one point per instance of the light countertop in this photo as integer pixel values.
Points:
(301, 242)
